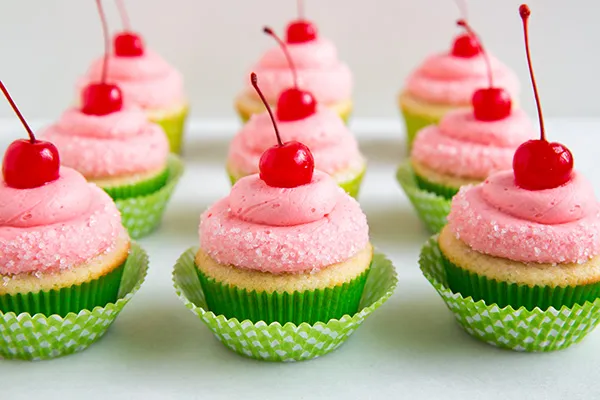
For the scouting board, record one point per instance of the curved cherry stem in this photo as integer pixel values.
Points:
(32, 138)
(254, 81)
(471, 32)
(106, 40)
(124, 16)
(300, 8)
(525, 12)
(270, 32)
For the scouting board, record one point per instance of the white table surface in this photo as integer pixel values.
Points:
(410, 348)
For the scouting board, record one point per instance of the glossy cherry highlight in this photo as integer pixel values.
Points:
(293, 104)
(539, 164)
(102, 98)
(28, 163)
(127, 43)
(491, 103)
(285, 165)
(300, 30)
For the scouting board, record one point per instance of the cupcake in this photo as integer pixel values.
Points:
(63, 255)
(464, 148)
(319, 72)
(446, 82)
(520, 257)
(299, 118)
(116, 147)
(287, 247)
(146, 80)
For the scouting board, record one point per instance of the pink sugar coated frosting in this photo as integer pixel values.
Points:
(118, 144)
(147, 81)
(57, 226)
(261, 241)
(498, 218)
(319, 72)
(446, 79)
(465, 147)
(333, 146)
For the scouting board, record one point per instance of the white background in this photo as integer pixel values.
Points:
(46, 45)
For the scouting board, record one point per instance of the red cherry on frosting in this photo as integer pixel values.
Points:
(465, 46)
(491, 103)
(285, 165)
(101, 98)
(300, 30)
(128, 44)
(293, 103)
(538, 164)
(28, 163)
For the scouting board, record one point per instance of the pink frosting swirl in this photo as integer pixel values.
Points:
(147, 81)
(280, 230)
(333, 146)
(446, 79)
(319, 71)
(465, 147)
(117, 144)
(56, 226)
(498, 218)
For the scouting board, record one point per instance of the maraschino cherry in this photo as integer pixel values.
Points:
(127, 43)
(539, 164)
(491, 103)
(293, 104)
(285, 165)
(300, 30)
(102, 98)
(28, 163)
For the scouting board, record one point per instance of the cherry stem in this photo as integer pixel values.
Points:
(124, 15)
(300, 6)
(270, 32)
(16, 109)
(525, 12)
(471, 32)
(462, 9)
(106, 40)
(254, 81)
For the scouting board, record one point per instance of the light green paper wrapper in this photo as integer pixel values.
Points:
(142, 214)
(414, 123)
(520, 329)
(431, 208)
(447, 192)
(289, 342)
(174, 127)
(38, 337)
(141, 188)
(309, 306)
(352, 187)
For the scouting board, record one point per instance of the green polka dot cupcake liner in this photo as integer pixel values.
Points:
(174, 127)
(431, 208)
(143, 213)
(446, 192)
(352, 186)
(413, 123)
(519, 329)
(288, 342)
(39, 337)
(142, 188)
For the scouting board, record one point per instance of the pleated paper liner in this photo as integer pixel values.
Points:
(276, 341)
(37, 336)
(142, 214)
(174, 127)
(352, 187)
(414, 123)
(309, 306)
(509, 294)
(446, 192)
(507, 327)
(97, 292)
(431, 208)
(142, 188)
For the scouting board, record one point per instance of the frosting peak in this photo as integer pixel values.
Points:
(560, 225)
(121, 124)
(252, 200)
